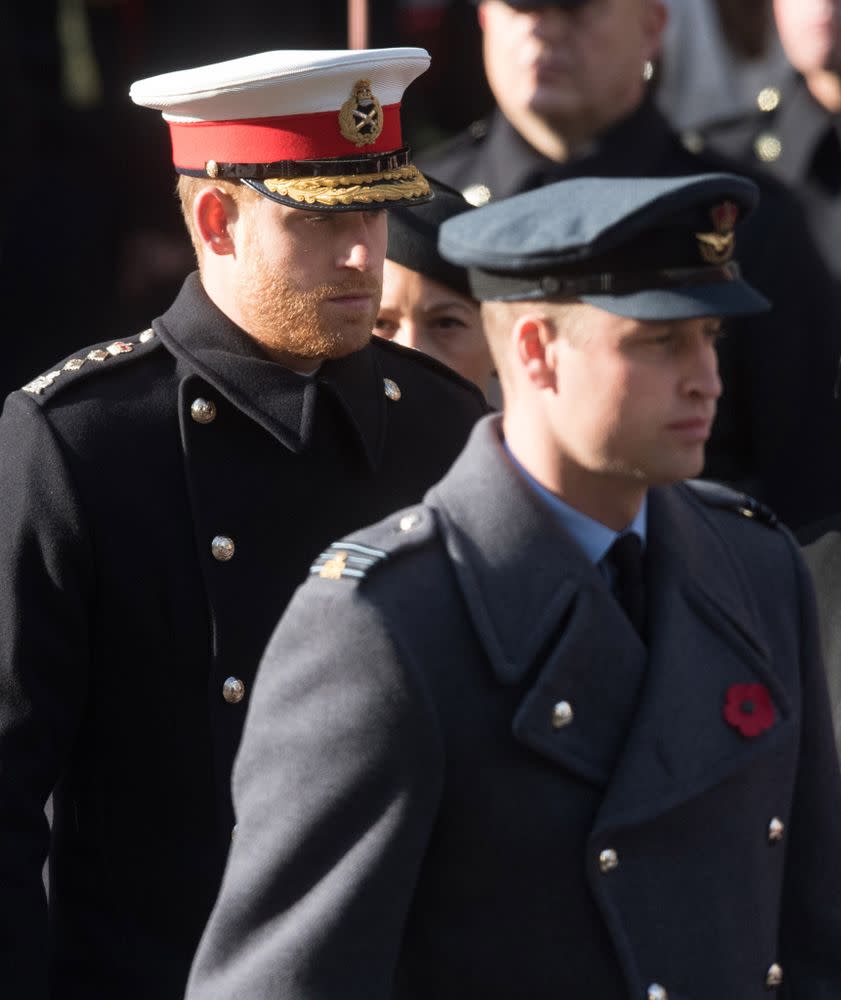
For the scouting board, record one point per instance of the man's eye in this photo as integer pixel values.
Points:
(385, 327)
(449, 323)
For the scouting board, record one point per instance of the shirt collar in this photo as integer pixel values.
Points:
(593, 537)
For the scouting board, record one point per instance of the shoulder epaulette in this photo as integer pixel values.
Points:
(89, 358)
(725, 498)
(354, 558)
(348, 559)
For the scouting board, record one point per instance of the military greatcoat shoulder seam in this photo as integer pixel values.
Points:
(722, 497)
(431, 364)
(358, 555)
(105, 356)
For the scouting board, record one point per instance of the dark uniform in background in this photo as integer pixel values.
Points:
(161, 498)
(798, 141)
(490, 784)
(822, 552)
(778, 420)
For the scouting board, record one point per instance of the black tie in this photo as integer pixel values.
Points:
(626, 558)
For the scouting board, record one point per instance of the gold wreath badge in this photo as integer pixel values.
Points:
(361, 116)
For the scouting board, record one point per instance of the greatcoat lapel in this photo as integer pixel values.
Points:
(704, 637)
(539, 607)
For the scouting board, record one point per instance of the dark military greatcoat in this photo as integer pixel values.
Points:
(161, 498)
(778, 419)
(500, 791)
(798, 141)
(822, 552)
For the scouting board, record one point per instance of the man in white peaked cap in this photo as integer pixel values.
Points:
(163, 495)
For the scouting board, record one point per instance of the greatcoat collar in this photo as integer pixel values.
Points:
(279, 400)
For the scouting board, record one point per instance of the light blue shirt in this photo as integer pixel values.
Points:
(592, 536)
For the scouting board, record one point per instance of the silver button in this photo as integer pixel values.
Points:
(409, 521)
(478, 129)
(657, 992)
(233, 690)
(203, 411)
(692, 141)
(774, 976)
(392, 389)
(477, 194)
(776, 829)
(222, 548)
(768, 99)
(562, 715)
(608, 861)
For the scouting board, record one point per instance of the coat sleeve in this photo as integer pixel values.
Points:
(44, 658)
(335, 787)
(811, 924)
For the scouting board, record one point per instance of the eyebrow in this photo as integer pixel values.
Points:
(451, 304)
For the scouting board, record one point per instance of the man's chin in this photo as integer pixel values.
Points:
(326, 348)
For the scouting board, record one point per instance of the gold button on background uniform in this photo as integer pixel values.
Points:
(768, 99)
(233, 690)
(223, 548)
(768, 147)
(657, 992)
(203, 411)
(392, 389)
(776, 830)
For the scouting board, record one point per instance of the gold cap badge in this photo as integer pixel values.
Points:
(361, 116)
(717, 247)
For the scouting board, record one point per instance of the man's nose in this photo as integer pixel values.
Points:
(704, 379)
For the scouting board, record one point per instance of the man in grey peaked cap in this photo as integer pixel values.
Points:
(162, 496)
(561, 730)
(572, 100)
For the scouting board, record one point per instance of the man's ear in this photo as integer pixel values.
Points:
(480, 15)
(656, 16)
(533, 336)
(213, 213)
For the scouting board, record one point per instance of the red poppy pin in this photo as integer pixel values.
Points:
(748, 708)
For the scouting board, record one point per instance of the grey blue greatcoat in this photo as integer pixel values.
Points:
(486, 785)
(160, 499)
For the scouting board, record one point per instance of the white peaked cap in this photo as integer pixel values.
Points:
(312, 129)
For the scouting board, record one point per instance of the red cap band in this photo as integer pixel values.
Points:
(267, 140)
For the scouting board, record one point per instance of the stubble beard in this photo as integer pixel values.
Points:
(286, 319)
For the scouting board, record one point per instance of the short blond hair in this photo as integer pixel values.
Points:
(568, 319)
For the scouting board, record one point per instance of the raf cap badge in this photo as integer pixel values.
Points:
(361, 116)
(717, 247)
